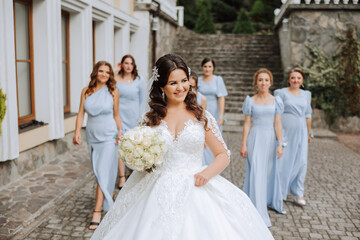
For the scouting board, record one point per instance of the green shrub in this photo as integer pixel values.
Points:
(223, 12)
(243, 23)
(334, 80)
(2, 107)
(204, 22)
(257, 12)
(190, 13)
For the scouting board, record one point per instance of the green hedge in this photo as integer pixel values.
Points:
(243, 23)
(335, 81)
(204, 22)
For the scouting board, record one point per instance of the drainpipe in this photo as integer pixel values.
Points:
(155, 28)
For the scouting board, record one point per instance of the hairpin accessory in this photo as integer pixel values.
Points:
(155, 75)
(189, 69)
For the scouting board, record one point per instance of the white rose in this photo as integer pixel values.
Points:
(138, 151)
(155, 149)
(146, 142)
(148, 132)
(127, 145)
(120, 153)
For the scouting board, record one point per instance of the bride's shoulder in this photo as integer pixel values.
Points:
(208, 115)
(210, 118)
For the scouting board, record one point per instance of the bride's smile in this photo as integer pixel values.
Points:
(177, 86)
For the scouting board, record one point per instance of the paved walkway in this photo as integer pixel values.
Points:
(332, 193)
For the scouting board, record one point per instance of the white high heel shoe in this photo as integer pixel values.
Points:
(300, 202)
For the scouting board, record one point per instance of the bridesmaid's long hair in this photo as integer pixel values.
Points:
(111, 83)
(134, 71)
(165, 65)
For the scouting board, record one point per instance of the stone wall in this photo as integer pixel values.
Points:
(36, 157)
(315, 25)
(166, 37)
(347, 125)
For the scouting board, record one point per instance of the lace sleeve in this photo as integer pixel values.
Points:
(212, 125)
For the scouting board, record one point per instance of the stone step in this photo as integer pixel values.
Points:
(237, 57)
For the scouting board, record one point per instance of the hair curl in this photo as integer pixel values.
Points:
(166, 64)
(111, 83)
(134, 71)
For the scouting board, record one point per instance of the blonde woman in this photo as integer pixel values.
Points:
(261, 146)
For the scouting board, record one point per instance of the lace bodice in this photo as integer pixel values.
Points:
(185, 150)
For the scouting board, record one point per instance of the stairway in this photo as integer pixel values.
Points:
(237, 58)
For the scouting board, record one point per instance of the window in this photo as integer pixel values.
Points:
(65, 59)
(24, 60)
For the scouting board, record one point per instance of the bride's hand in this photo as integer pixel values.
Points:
(200, 179)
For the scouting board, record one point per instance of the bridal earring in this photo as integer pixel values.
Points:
(163, 95)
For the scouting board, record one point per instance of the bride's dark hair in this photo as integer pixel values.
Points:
(165, 65)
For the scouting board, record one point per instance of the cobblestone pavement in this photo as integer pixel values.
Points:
(332, 194)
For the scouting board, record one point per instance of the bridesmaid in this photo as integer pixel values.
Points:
(131, 88)
(213, 88)
(260, 147)
(297, 131)
(201, 99)
(100, 100)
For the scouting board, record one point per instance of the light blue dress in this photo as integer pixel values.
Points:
(101, 130)
(198, 98)
(212, 91)
(293, 164)
(262, 182)
(131, 97)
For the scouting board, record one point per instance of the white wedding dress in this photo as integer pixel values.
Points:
(166, 205)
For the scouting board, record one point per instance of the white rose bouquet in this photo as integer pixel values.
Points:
(142, 148)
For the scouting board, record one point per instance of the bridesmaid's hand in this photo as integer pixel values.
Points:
(119, 137)
(200, 179)
(221, 121)
(279, 151)
(243, 151)
(77, 139)
(309, 139)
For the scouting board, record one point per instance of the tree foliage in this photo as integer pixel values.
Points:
(222, 12)
(243, 23)
(258, 11)
(204, 22)
(190, 13)
(335, 80)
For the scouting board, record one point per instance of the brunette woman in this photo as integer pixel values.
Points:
(296, 122)
(100, 100)
(131, 89)
(213, 88)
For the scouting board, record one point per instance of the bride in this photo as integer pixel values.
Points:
(182, 199)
